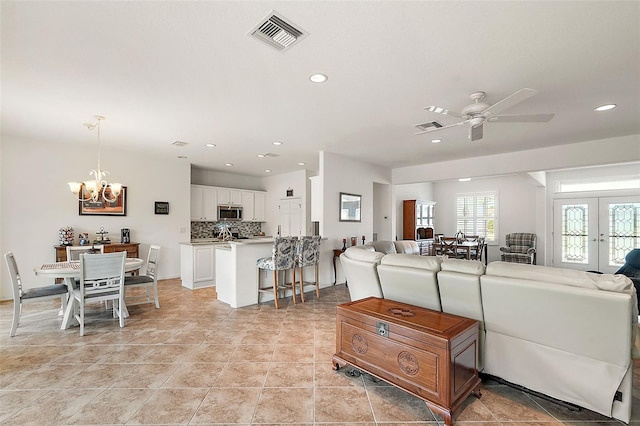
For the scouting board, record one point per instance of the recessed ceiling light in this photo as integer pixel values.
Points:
(318, 78)
(210, 145)
(267, 170)
(228, 164)
(261, 156)
(277, 143)
(436, 140)
(464, 179)
(301, 164)
(606, 107)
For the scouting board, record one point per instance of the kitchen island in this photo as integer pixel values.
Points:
(236, 272)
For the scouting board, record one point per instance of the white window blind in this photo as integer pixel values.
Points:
(477, 214)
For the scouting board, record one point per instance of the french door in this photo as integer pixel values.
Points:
(595, 234)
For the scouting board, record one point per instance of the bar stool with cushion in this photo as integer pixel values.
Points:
(308, 254)
(21, 295)
(148, 281)
(283, 257)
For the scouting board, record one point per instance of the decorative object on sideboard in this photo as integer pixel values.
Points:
(344, 244)
(125, 236)
(98, 189)
(162, 207)
(83, 238)
(363, 240)
(354, 241)
(65, 236)
(100, 237)
(350, 207)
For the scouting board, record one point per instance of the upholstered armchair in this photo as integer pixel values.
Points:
(520, 247)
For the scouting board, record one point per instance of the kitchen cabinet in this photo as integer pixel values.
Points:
(290, 217)
(197, 265)
(253, 206)
(229, 197)
(204, 203)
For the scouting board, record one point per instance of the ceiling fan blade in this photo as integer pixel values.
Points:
(522, 118)
(475, 132)
(444, 111)
(444, 127)
(509, 101)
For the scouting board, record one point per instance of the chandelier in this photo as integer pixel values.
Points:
(97, 187)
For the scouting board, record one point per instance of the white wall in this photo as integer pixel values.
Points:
(226, 180)
(517, 207)
(36, 202)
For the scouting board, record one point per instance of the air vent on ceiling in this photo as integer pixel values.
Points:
(178, 143)
(430, 125)
(278, 32)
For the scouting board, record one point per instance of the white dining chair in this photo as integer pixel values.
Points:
(101, 279)
(149, 281)
(74, 252)
(22, 295)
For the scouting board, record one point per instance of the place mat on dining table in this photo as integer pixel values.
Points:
(61, 265)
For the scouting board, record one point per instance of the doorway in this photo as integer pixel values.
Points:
(595, 234)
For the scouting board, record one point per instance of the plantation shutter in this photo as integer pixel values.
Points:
(477, 214)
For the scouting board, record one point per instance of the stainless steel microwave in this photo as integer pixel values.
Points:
(229, 213)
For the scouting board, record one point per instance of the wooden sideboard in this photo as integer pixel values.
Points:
(132, 249)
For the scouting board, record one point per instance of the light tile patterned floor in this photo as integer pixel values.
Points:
(196, 361)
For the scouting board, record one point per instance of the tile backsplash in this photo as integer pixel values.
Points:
(210, 229)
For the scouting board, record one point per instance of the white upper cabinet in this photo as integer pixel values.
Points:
(253, 206)
(290, 214)
(229, 197)
(204, 203)
(259, 206)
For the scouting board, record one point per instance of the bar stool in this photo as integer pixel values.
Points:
(282, 258)
(308, 254)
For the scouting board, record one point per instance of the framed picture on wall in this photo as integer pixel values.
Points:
(350, 207)
(102, 207)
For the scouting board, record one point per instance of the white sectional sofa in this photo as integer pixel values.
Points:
(563, 333)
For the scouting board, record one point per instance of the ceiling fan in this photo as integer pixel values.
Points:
(477, 113)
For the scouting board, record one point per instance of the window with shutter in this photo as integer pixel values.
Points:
(477, 214)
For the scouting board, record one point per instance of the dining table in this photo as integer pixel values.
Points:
(465, 247)
(69, 272)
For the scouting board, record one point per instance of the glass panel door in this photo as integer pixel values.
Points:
(595, 234)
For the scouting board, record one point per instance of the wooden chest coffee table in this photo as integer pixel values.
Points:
(430, 354)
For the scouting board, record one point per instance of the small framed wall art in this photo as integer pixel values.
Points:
(162, 207)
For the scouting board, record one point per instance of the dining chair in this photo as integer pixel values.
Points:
(478, 252)
(449, 246)
(308, 254)
(22, 295)
(148, 281)
(283, 257)
(101, 279)
(74, 252)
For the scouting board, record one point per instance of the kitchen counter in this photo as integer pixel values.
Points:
(215, 241)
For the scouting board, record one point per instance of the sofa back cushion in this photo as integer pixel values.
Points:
(382, 246)
(407, 247)
(459, 286)
(360, 272)
(410, 279)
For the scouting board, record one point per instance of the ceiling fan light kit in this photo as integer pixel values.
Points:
(477, 113)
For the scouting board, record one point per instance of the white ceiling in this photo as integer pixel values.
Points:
(189, 71)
